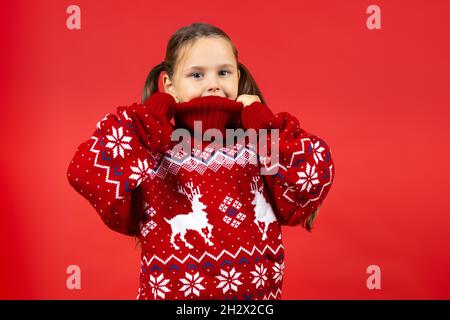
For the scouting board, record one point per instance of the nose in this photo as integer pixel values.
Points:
(213, 89)
(213, 86)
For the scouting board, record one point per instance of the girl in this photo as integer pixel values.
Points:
(208, 221)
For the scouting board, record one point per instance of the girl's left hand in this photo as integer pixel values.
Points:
(247, 99)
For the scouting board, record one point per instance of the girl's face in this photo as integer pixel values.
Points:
(205, 68)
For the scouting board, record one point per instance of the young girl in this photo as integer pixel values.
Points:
(209, 222)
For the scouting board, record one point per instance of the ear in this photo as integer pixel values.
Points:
(168, 86)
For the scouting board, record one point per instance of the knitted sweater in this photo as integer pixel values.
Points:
(209, 222)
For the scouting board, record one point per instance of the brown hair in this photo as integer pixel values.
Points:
(185, 36)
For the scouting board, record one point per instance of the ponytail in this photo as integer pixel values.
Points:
(247, 85)
(151, 83)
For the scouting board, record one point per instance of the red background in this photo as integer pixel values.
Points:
(378, 97)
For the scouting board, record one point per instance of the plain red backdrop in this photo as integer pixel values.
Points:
(378, 97)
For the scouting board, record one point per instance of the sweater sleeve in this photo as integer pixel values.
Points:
(108, 168)
(303, 172)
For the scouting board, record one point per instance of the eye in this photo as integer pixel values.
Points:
(195, 75)
(224, 71)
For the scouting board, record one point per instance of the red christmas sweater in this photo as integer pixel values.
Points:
(209, 222)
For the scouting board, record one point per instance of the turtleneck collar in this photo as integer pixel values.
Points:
(213, 112)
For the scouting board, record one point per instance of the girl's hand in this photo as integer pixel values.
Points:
(247, 99)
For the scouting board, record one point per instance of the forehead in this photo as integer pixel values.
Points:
(206, 52)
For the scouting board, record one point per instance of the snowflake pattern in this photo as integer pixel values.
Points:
(147, 224)
(118, 142)
(259, 275)
(231, 207)
(278, 269)
(140, 172)
(192, 284)
(228, 280)
(159, 286)
(317, 151)
(308, 178)
(149, 210)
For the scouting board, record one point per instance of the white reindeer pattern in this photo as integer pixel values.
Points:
(196, 220)
(263, 209)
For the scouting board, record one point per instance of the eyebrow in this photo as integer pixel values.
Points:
(202, 68)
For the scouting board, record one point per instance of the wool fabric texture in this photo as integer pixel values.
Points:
(209, 222)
